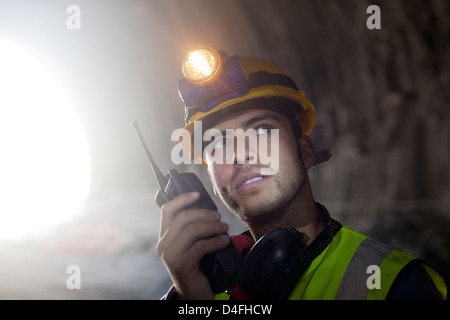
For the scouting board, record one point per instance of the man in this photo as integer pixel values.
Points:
(329, 261)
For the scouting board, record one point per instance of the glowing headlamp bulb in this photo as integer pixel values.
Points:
(202, 66)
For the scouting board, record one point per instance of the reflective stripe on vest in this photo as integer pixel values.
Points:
(341, 270)
(354, 282)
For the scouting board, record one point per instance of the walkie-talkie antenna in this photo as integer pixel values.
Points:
(159, 176)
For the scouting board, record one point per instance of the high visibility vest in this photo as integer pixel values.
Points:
(354, 267)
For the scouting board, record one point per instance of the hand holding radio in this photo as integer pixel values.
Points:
(186, 237)
(193, 242)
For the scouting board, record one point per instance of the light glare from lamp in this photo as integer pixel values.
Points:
(202, 66)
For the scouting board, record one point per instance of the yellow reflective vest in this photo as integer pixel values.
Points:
(354, 267)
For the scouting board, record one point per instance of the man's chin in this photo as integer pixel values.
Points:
(264, 218)
(251, 208)
(257, 214)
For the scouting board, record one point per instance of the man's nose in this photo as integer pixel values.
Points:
(245, 153)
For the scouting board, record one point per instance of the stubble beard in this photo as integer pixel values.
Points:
(287, 197)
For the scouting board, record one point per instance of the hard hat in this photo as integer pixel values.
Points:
(215, 83)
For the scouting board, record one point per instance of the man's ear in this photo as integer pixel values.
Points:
(308, 151)
(214, 188)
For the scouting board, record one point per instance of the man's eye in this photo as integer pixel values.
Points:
(220, 144)
(263, 129)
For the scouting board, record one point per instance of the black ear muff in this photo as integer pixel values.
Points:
(272, 265)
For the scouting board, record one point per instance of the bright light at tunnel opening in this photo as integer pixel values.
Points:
(45, 167)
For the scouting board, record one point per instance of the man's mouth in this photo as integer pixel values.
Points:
(252, 180)
(249, 181)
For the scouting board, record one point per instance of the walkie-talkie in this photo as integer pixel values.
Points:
(223, 268)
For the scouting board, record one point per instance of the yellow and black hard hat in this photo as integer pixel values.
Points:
(215, 84)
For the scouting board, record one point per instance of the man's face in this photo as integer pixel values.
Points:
(252, 196)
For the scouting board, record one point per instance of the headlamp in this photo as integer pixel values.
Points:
(202, 66)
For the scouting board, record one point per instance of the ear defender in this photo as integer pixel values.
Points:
(274, 264)
(271, 265)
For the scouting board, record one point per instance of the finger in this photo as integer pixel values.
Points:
(207, 246)
(198, 231)
(182, 220)
(170, 209)
(180, 242)
(181, 265)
